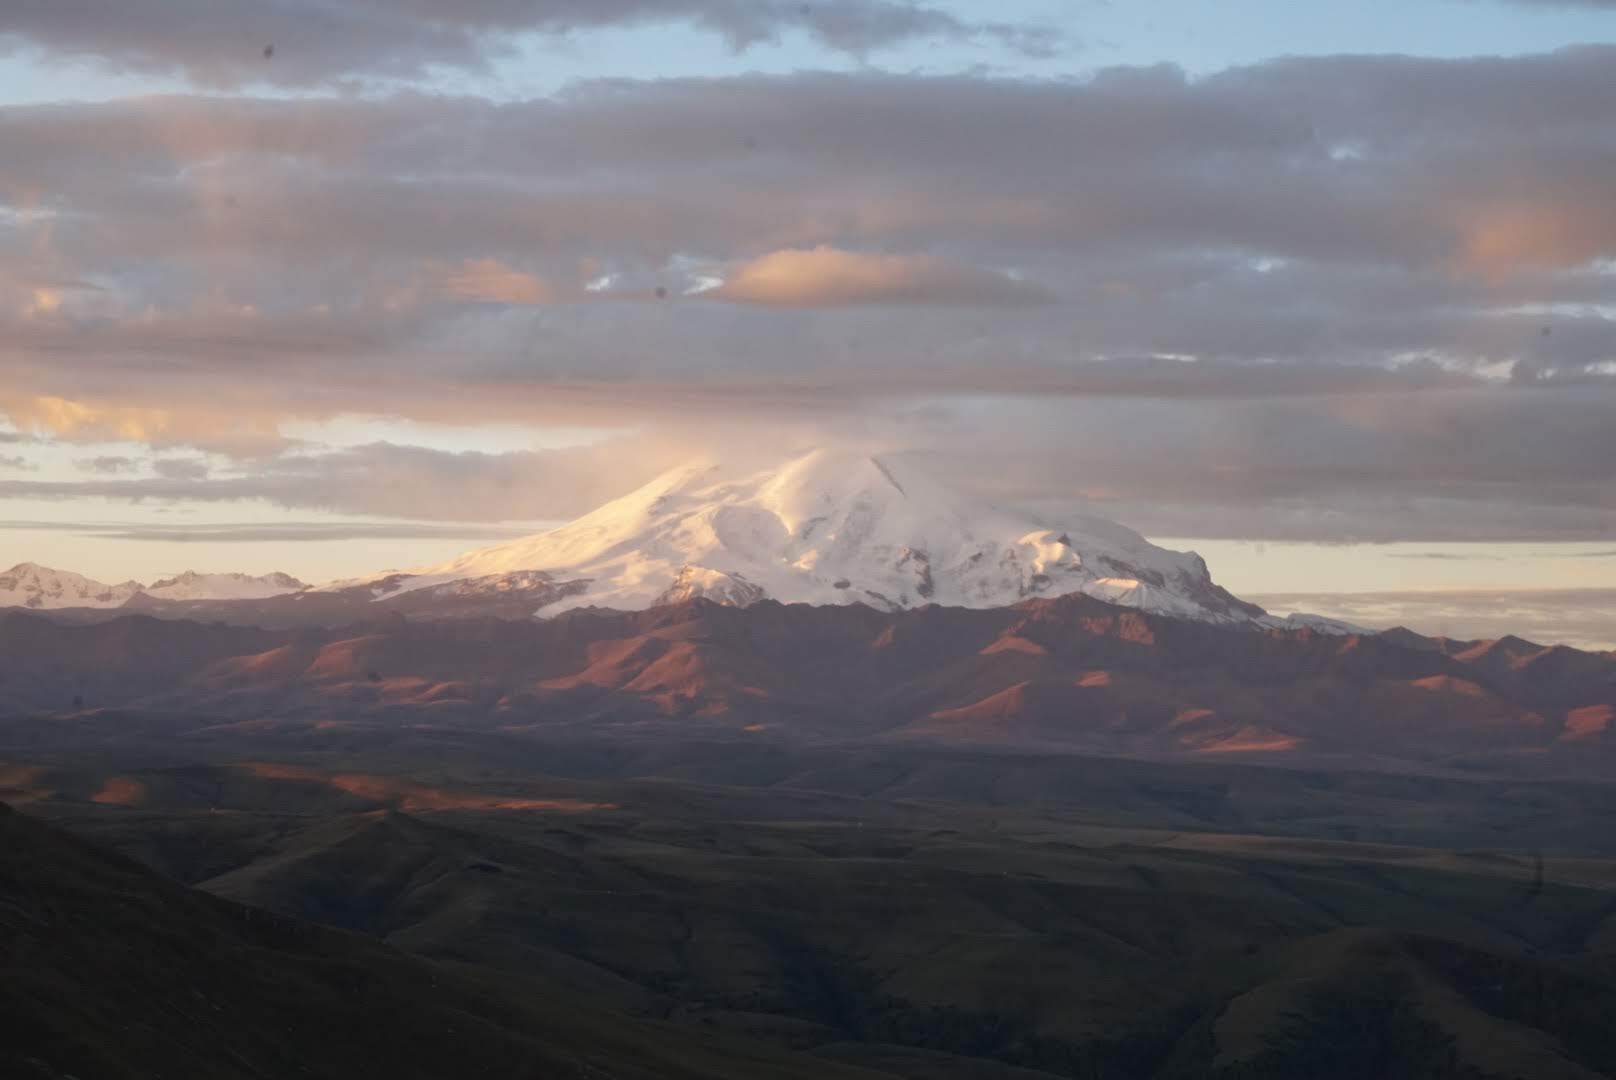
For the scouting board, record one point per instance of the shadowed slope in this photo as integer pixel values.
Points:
(112, 972)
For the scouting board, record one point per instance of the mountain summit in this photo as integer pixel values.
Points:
(830, 528)
(33, 586)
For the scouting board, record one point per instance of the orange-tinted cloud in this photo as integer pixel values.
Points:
(1502, 239)
(829, 277)
(45, 301)
(72, 419)
(490, 281)
(85, 420)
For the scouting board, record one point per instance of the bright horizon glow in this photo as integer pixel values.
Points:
(1249, 567)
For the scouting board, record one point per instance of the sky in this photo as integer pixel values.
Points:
(1326, 292)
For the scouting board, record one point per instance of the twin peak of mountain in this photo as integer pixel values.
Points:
(824, 528)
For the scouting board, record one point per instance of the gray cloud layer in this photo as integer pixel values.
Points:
(226, 43)
(397, 481)
(271, 532)
(1315, 298)
(108, 465)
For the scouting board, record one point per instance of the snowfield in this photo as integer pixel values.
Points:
(193, 586)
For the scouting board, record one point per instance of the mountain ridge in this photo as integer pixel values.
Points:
(32, 585)
(1072, 673)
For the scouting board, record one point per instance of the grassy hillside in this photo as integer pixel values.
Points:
(109, 971)
(897, 936)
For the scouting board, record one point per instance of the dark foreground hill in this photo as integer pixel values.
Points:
(663, 935)
(108, 971)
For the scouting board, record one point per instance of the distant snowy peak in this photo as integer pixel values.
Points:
(29, 585)
(194, 586)
(1323, 624)
(830, 528)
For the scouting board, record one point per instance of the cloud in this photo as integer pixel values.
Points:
(1443, 465)
(243, 429)
(16, 462)
(1329, 462)
(406, 482)
(1279, 299)
(298, 43)
(108, 465)
(1581, 618)
(1480, 557)
(180, 469)
(1379, 465)
(491, 281)
(1443, 556)
(1210, 217)
(272, 532)
(827, 277)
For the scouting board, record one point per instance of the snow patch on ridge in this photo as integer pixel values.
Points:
(194, 586)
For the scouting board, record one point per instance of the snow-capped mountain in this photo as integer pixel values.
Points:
(829, 528)
(194, 586)
(30, 585)
(824, 528)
